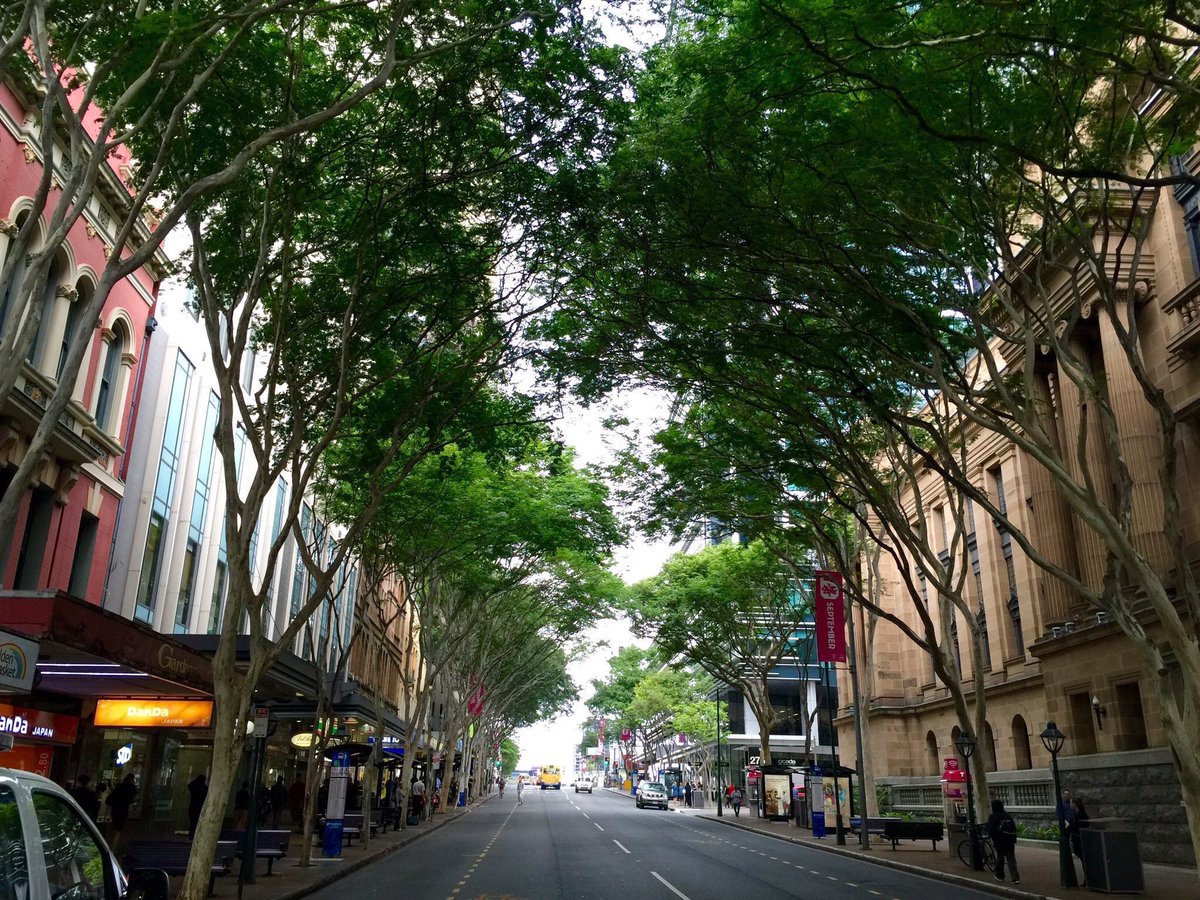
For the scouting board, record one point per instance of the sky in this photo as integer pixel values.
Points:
(553, 742)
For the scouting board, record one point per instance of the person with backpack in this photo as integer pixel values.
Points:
(1002, 829)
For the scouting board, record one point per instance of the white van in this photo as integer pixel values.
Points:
(51, 850)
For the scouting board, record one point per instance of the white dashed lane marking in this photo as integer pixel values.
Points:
(619, 844)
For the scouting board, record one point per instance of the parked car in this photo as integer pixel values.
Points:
(582, 784)
(51, 850)
(652, 793)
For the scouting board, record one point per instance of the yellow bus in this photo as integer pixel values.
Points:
(551, 778)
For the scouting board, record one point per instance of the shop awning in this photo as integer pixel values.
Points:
(87, 651)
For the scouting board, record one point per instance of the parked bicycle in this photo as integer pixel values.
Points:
(987, 851)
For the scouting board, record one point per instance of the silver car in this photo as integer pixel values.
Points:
(652, 793)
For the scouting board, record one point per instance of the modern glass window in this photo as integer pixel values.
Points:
(220, 585)
(164, 490)
(187, 587)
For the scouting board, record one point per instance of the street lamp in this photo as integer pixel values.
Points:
(720, 814)
(966, 746)
(1052, 740)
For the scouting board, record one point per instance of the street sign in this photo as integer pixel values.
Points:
(262, 718)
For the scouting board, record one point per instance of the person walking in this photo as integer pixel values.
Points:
(120, 799)
(1002, 829)
(520, 791)
(418, 796)
(735, 799)
(197, 792)
(241, 807)
(296, 802)
(279, 800)
(1079, 820)
(687, 794)
(87, 799)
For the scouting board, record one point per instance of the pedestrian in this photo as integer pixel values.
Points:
(1002, 829)
(296, 795)
(120, 799)
(241, 807)
(735, 798)
(197, 792)
(687, 794)
(1079, 820)
(520, 791)
(1065, 810)
(87, 799)
(418, 795)
(279, 800)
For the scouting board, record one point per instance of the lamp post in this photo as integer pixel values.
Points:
(966, 747)
(1052, 740)
(720, 790)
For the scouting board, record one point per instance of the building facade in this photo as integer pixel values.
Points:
(1047, 654)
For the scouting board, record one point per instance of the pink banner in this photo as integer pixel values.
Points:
(830, 616)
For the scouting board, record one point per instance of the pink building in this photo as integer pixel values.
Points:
(64, 532)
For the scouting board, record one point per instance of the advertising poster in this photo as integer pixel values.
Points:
(777, 798)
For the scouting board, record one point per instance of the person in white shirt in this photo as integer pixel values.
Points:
(520, 790)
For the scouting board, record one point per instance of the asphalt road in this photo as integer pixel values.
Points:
(560, 845)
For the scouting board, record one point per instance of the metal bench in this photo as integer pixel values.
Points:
(875, 824)
(269, 844)
(172, 857)
(896, 830)
(352, 825)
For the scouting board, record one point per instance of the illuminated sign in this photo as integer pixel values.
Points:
(124, 754)
(18, 656)
(37, 725)
(154, 713)
(303, 739)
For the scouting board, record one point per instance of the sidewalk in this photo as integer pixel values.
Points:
(1038, 864)
(290, 880)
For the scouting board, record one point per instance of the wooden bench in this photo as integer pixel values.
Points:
(875, 824)
(269, 844)
(172, 857)
(895, 830)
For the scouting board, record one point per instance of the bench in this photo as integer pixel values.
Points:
(172, 857)
(269, 844)
(895, 830)
(352, 825)
(875, 825)
(379, 820)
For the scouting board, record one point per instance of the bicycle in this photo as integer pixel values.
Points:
(987, 850)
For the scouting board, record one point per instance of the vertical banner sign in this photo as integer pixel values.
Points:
(831, 617)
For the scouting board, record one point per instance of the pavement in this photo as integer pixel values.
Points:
(291, 880)
(1038, 864)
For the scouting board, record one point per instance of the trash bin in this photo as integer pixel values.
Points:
(1112, 861)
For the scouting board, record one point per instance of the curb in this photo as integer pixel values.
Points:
(343, 871)
(960, 880)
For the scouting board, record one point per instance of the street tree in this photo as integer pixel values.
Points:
(732, 609)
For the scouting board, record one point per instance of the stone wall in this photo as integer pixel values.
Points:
(1139, 787)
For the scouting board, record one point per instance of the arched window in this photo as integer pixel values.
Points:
(931, 753)
(42, 346)
(18, 272)
(110, 370)
(83, 291)
(989, 742)
(1020, 741)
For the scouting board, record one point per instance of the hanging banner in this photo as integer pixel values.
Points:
(830, 616)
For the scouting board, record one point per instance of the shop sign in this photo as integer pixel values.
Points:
(154, 713)
(18, 656)
(303, 739)
(33, 723)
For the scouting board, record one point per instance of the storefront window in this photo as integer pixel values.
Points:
(124, 752)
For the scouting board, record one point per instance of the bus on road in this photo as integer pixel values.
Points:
(551, 778)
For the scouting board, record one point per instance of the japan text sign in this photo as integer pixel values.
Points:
(830, 616)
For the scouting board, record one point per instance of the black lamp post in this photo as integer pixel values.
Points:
(966, 746)
(1052, 740)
